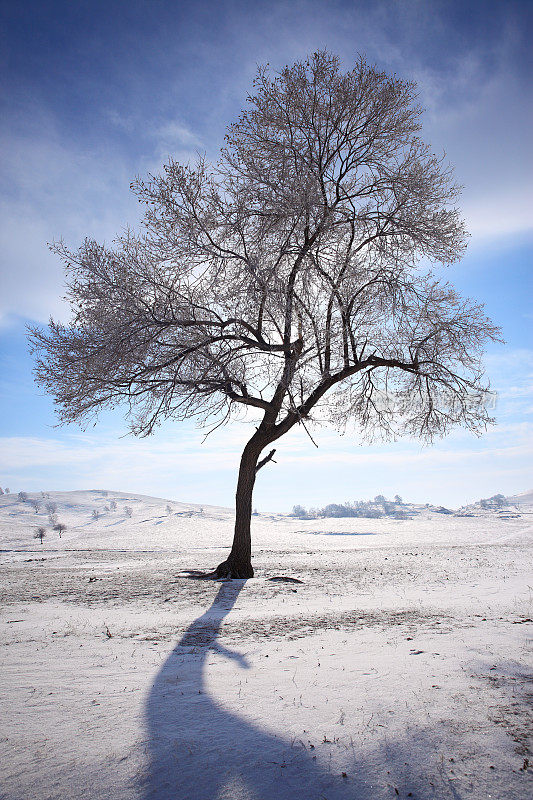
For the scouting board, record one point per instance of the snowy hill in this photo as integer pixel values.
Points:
(102, 519)
(524, 499)
(499, 506)
(117, 520)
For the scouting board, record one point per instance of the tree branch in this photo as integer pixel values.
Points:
(265, 460)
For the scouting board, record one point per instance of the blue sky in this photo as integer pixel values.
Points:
(95, 93)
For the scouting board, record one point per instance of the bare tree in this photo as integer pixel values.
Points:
(60, 527)
(128, 511)
(40, 533)
(287, 272)
(23, 497)
(36, 505)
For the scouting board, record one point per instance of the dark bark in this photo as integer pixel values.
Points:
(239, 562)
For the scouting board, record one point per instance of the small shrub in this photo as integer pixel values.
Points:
(128, 511)
(299, 512)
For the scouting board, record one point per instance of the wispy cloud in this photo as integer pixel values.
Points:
(178, 465)
(53, 189)
(58, 185)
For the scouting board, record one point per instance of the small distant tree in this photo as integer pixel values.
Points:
(299, 512)
(52, 519)
(169, 509)
(7, 490)
(285, 279)
(369, 512)
(23, 497)
(96, 514)
(51, 507)
(113, 505)
(398, 499)
(500, 501)
(496, 501)
(40, 533)
(1, 491)
(36, 505)
(60, 527)
(128, 511)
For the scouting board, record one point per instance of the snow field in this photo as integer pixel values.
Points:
(399, 667)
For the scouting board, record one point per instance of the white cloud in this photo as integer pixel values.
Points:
(119, 456)
(173, 135)
(56, 190)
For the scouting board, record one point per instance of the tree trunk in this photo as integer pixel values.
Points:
(239, 562)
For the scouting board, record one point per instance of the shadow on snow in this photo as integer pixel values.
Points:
(188, 730)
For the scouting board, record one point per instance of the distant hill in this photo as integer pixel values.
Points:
(97, 518)
(524, 499)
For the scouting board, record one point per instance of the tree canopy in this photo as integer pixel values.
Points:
(298, 265)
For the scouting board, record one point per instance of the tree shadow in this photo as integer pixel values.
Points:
(342, 533)
(188, 730)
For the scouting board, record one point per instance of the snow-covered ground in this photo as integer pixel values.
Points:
(398, 667)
